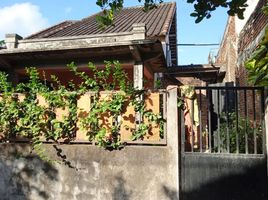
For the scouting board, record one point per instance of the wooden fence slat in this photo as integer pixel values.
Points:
(83, 106)
(61, 113)
(106, 120)
(127, 119)
(42, 101)
(128, 123)
(152, 102)
(21, 97)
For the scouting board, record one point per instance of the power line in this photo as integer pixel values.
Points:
(204, 44)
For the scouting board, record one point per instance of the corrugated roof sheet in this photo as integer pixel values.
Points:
(157, 23)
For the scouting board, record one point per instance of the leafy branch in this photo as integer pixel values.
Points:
(202, 8)
(110, 7)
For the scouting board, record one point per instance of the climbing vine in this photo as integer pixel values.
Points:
(104, 107)
(29, 110)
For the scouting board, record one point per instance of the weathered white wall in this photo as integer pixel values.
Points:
(241, 23)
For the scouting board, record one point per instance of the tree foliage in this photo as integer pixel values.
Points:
(202, 8)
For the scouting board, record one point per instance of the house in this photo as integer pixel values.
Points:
(145, 45)
(196, 75)
(241, 38)
(143, 42)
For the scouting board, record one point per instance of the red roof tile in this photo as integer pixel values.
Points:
(157, 21)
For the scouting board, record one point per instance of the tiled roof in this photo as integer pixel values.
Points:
(157, 23)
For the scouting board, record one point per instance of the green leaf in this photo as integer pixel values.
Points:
(194, 15)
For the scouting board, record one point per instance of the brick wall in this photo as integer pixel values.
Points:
(249, 39)
(253, 27)
(227, 54)
(236, 49)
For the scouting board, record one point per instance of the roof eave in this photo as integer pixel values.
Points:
(167, 25)
(136, 36)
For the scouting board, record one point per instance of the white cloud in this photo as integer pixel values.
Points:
(23, 19)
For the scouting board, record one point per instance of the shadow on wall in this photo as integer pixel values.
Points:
(120, 192)
(171, 194)
(24, 175)
(249, 185)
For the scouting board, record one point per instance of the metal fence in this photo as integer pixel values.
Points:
(223, 120)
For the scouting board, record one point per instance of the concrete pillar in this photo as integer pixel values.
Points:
(11, 40)
(139, 31)
(155, 79)
(173, 136)
(138, 75)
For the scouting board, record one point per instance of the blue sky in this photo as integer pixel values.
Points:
(26, 17)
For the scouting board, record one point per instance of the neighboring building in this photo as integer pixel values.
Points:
(196, 75)
(241, 38)
(227, 54)
(144, 43)
(249, 39)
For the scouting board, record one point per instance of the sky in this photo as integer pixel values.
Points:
(25, 17)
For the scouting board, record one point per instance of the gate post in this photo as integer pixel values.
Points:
(173, 136)
(266, 123)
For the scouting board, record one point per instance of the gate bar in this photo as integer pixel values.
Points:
(246, 124)
(228, 120)
(236, 118)
(218, 121)
(254, 122)
(200, 122)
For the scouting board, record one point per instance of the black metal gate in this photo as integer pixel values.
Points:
(223, 154)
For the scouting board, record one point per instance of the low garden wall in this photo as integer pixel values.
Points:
(84, 171)
(88, 172)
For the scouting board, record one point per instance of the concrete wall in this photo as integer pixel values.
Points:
(89, 172)
(132, 173)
